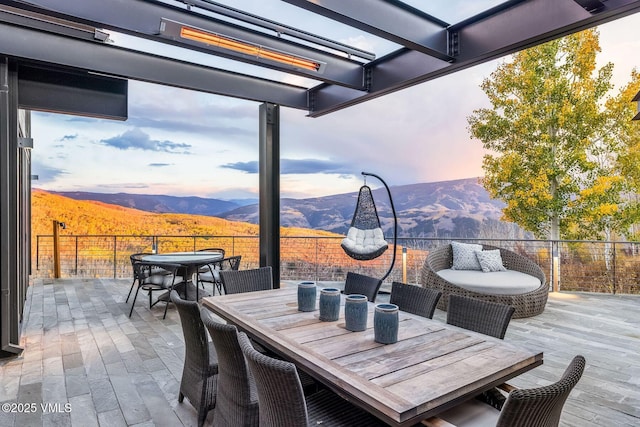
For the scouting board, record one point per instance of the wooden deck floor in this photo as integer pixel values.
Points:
(82, 349)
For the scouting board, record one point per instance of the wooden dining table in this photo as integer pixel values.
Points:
(432, 367)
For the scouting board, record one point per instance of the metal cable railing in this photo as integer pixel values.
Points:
(589, 266)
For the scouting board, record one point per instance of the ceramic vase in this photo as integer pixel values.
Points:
(307, 296)
(385, 323)
(329, 304)
(355, 312)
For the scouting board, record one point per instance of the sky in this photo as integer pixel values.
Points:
(186, 143)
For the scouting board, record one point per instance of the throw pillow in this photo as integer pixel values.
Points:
(464, 256)
(490, 260)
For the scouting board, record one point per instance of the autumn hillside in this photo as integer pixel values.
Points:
(96, 218)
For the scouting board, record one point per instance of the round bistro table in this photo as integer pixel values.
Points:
(191, 263)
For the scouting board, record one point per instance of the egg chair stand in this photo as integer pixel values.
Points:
(365, 240)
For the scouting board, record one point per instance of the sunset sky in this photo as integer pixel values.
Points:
(186, 143)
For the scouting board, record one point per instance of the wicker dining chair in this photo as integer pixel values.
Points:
(200, 372)
(363, 285)
(154, 277)
(489, 318)
(534, 407)
(282, 402)
(211, 274)
(237, 399)
(414, 299)
(257, 279)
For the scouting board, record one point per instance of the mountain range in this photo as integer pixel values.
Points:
(460, 208)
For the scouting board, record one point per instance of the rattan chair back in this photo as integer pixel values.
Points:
(486, 317)
(414, 299)
(238, 281)
(199, 375)
(542, 406)
(237, 399)
(363, 285)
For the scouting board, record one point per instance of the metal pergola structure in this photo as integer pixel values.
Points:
(57, 55)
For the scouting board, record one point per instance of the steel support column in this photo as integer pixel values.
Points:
(269, 170)
(9, 249)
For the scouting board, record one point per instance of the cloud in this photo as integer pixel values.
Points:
(296, 166)
(45, 173)
(159, 165)
(69, 137)
(136, 139)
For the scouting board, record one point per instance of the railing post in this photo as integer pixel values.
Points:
(56, 250)
(404, 264)
(76, 255)
(115, 255)
(555, 267)
(614, 268)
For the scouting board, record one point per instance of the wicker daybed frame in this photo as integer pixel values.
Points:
(526, 305)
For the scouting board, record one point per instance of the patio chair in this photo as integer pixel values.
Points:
(489, 318)
(282, 402)
(200, 372)
(212, 272)
(533, 407)
(237, 399)
(206, 268)
(257, 279)
(363, 285)
(152, 277)
(133, 258)
(414, 299)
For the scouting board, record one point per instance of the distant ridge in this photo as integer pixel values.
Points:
(459, 208)
(448, 209)
(157, 203)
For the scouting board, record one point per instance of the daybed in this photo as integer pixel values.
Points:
(523, 285)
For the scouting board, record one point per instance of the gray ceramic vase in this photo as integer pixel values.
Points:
(306, 296)
(329, 304)
(385, 323)
(355, 312)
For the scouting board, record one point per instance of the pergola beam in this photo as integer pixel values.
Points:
(37, 45)
(391, 20)
(483, 38)
(142, 18)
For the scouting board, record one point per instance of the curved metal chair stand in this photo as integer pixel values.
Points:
(526, 305)
(368, 216)
(200, 372)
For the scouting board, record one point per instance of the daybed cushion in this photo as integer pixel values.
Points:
(464, 256)
(490, 260)
(508, 282)
(364, 241)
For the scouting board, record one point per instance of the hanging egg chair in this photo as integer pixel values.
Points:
(365, 240)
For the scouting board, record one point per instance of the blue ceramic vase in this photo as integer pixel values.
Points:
(307, 296)
(385, 323)
(329, 304)
(355, 312)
